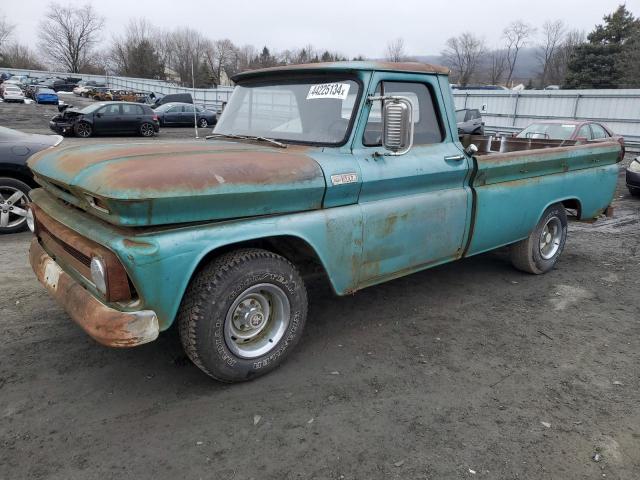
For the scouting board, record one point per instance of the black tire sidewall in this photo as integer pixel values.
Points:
(214, 353)
(141, 129)
(544, 265)
(23, 187)
(78, 126)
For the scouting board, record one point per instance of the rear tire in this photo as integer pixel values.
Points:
(634, 191)
(242, 314)
(539, 252)
(202, 123)
(147, 130)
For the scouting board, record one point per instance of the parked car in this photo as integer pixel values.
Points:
(217, 236)
(95, 92)
(570, 130)
(62, 85)
(11, 93)
(107, 118)
(181, 114)
(45, 95)
(469, 121)
(172, 98)
(84, 85)
(16, 180)
(633, 177)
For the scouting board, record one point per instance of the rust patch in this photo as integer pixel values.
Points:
(199, 171)
(77, 251)
(107, 326)
(136, 244)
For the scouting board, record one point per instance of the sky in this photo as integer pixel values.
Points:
(351, 27)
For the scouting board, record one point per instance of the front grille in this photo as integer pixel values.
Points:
(75, 253)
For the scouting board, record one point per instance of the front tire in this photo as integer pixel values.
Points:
(83, 130)
(540, 251)
(242, 314)
(14, 198)
(634, 191)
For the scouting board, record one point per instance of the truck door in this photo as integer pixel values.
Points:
(416, 206)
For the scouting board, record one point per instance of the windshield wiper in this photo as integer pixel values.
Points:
(247, 137)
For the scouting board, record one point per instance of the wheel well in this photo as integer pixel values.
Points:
(18, 175)
(573, 205)
(294, 249)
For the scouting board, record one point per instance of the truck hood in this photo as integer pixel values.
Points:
(143, 184)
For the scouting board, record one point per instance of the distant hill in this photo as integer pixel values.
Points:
(527, 65)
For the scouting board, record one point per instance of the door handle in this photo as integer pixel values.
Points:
(454, 158)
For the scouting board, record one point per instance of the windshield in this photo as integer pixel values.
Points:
(460, 114)
(309, 111)
(549, 131)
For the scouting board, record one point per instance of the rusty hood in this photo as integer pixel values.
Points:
(143, 184)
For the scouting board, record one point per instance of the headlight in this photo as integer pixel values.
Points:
(99, 275)
(31, 221)
(635, 166)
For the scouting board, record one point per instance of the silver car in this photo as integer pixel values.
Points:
(12, 93)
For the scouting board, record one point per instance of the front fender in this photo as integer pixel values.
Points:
(161, 264)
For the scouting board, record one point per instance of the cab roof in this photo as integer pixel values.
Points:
(409, 67)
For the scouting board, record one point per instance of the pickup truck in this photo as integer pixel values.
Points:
(352, 170)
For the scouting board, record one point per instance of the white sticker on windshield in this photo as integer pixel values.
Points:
(329, 90)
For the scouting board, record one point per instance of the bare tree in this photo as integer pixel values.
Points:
(462, 54)
(496, 66)
(68, 35)
(557, 71)
(6, 29)
(21, 56)
(552, 36)
(395, 50)
(136, 52)
(516, 36)
(187, 49)
(220, 57)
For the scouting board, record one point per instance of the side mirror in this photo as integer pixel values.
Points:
(397, 124)
(98, 115)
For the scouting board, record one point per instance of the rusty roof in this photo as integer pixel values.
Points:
(410, 67)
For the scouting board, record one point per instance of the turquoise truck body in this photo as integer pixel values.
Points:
(164, 209)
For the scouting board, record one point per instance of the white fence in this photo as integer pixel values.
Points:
(508, 111)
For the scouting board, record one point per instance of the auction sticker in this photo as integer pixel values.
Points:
(329, 90)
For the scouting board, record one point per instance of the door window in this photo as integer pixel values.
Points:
(427, 127)
(176, 109)
(110, 110)
(132, 110)
(598, 131)
(584, 132)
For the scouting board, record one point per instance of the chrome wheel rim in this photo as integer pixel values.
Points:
(146, 129)
(203, 122)
(550, 238)
(84, 130)
(257, 320)
(13, 207)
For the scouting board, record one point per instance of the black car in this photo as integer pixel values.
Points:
(633, 177)
(181, 114)
(107, 118)
(16, 180)
(171, 98)
(469, 121)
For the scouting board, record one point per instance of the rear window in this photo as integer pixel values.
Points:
(548, 131)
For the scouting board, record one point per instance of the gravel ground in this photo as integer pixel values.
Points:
(468, 370)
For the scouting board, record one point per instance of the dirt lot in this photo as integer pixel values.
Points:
(470, 370)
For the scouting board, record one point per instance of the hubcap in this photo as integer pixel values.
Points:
(13, 203)
(257, 320)
(550, 238)
(203, 123)
(147, 130)
(83, 130)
